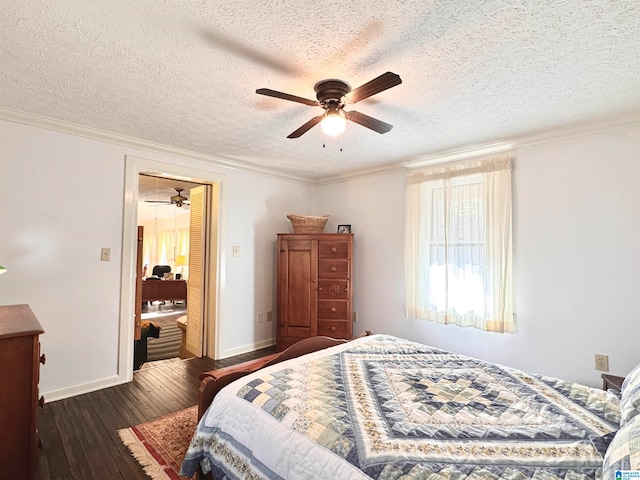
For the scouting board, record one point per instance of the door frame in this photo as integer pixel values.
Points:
(134, 166)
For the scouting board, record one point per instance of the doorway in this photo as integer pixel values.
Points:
(134, 166)
(164, 220)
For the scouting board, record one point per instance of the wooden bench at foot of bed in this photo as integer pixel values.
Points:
(213, 381)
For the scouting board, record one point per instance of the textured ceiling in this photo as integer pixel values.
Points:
(152, 190)
(161, 189)
(183, 73)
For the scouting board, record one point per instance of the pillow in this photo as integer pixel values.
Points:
(624, 451)
(601, 442)
(630, 396)
(631, 377)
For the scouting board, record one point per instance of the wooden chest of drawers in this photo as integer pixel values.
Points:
(315, 288)
(19, 376)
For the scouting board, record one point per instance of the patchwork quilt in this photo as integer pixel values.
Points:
(385, 408)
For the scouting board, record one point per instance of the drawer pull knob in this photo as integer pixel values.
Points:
(319, 289)
(41, 401)
(333, 309)
(333, 269)
(333, 329)
(43, 359)
(334, 250)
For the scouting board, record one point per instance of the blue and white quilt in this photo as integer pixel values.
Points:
(386, 408)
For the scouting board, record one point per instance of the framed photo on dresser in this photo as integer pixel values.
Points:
(344, 228)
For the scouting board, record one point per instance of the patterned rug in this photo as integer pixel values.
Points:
(159, 446)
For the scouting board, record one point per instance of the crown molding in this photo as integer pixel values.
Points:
(468, 152)
(481, 150)
(61, 126)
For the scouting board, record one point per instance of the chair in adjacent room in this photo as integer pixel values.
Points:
(158, 274)
(160, 270)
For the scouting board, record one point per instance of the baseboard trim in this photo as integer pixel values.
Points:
(81, 389)
(247, 348)
(68, 392)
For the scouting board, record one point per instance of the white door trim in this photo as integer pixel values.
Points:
(134, 166)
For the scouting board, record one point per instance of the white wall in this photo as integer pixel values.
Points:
(259, 207)
(576, 236)
(63, 200)
(576, 259)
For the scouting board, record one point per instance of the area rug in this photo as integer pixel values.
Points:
(167, 346)
(159, 446)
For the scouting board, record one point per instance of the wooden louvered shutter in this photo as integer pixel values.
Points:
(197, 262)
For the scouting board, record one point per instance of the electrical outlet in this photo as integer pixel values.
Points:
(260, 317)
(269, 316)
(105, 254)
(236, 251)
(602, 362)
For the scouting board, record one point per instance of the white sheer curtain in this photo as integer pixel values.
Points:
(164, 247)
(458, 260)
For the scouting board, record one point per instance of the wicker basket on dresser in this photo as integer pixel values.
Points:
(19, 375)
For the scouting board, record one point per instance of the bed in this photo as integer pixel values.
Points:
(386, 408)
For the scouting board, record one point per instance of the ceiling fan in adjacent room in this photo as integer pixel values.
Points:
(178, 200)
(333, 95)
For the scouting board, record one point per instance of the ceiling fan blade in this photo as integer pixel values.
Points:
(377, 85)
(158, 201)
(369, 122)
(286, 96)
(306, 127)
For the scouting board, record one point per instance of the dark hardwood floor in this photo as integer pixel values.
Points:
(80, 434)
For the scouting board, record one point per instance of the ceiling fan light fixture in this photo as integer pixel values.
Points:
(333, 123)
(332, 94)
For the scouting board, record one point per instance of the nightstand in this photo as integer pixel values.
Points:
(611, 382)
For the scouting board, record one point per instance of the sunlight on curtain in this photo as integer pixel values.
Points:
(458, 260)
(164, 247)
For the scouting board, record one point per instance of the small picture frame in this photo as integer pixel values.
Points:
(344, 228)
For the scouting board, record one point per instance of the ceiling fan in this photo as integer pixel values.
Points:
(333, 95)
(178, 200)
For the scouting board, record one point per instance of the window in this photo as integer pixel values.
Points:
(458, 245)
(163, 247)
